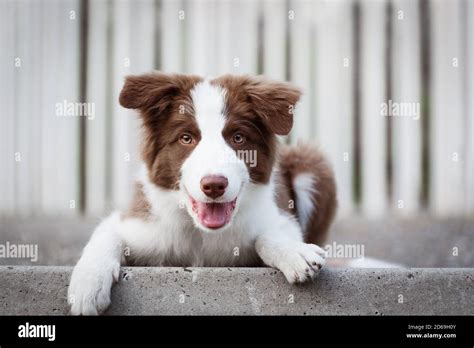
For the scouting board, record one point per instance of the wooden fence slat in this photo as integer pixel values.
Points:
(406, 88)
(133, 53)
(172, 35)
(299, 21)
(7, 100)
(36, 100)
(446, 147)
(97, 133)
(24, 134)
(67, 151)
(142, 25)
(469, 93)
(275, 20)
(27, 135)
(244, 38)
(334, 69)
(373, 124)
(142, 55)
(225, 60)
(200, 37)
(121, 117)
(50, 62)
(60, 128)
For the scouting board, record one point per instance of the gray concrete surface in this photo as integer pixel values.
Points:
(249, 291)
(417, 242)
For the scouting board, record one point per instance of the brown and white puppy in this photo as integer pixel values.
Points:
(215, 188)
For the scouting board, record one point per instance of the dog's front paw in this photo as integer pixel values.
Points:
(90, 286)
(300, 262)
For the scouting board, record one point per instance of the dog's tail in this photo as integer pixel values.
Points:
(309, 182)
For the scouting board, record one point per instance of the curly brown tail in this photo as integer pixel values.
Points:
(308, 182)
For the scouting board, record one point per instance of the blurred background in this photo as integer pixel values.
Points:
(388, 94)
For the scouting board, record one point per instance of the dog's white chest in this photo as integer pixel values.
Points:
(177, 244)
(230, 247)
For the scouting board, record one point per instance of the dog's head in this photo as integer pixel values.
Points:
(209, 139)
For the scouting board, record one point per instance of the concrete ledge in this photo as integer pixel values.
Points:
(248, 291)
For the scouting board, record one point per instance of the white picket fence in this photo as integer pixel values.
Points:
(349, 57)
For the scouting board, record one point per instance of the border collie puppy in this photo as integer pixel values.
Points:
(216, 188)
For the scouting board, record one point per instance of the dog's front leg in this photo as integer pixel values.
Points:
(98, 267)
(282, 247)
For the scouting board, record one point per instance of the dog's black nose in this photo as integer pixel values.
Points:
(214, 185)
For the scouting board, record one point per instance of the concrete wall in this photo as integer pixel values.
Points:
(249, 291)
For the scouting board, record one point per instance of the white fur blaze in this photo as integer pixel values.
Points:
(304, 185)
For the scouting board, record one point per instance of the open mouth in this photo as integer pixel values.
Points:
(213, 215)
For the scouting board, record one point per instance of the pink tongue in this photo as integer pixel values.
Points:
(213, 215)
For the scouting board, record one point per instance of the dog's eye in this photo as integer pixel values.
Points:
(238, 138)
(186, 139)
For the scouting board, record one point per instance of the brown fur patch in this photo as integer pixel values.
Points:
(166, 108)
(299, 159)
(258, 108)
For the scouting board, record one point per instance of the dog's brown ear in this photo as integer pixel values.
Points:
(155, 91)
(274, 102)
